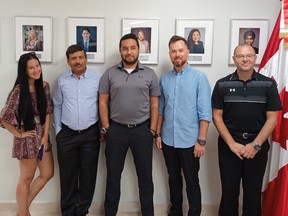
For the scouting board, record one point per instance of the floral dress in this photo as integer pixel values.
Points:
(27, 147)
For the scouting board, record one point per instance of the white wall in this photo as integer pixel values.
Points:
(113, 11)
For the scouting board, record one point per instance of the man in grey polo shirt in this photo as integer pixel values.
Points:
(128, 104)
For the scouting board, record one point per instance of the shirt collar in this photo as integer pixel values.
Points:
(234, 76)
(183, 71)
(83, 75)
(138, 67)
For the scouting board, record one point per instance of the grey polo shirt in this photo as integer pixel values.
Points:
(129, 93)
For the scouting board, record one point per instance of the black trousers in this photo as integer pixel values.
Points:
(78, 159)
(178, 160)
(232, 170)
(140, 141)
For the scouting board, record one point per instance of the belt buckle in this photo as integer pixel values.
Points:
(245, 135)
(131, 125)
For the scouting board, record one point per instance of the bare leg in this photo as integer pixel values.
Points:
(28, 189)
(27, 172)
(46, 168)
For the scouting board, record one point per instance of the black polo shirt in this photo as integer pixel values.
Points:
(245, 103)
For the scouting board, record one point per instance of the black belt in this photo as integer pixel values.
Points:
(244, 135)
(79, 131)
(130, 125)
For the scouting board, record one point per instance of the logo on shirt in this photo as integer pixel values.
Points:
(232, 90)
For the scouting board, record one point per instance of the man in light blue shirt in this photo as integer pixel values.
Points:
(184, 117)
(75, 102)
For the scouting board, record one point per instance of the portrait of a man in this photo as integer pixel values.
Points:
(87, 37)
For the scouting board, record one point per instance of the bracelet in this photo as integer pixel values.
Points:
(153, 130)
(157, 135)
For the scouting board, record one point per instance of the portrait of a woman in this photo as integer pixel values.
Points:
(195, 45)
(33, 43)
(143, 43)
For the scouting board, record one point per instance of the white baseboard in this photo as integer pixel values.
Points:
(97, 208)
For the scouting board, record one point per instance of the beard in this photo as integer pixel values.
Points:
(130, 61)
(178, 63)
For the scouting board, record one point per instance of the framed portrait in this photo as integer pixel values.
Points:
(33, 34)
(253, 32)
(147, 32)
(199, 36)
(89, 33)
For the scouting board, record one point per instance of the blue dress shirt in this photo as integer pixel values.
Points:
(185, 100)
(76, 100)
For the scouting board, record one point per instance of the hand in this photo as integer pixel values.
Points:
(31, 133)
(45, 142)
(158, 143)
(199, 150)
(102, 137)
(249, 151)
(237, 149)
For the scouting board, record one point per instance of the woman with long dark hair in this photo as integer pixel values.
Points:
(195, 45)
(26, 116)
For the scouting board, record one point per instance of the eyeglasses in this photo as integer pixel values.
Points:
(248, 56)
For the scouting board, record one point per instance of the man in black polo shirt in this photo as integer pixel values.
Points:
(245, 109)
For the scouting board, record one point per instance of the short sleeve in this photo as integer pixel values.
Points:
(49, 108)
(10, 110)
(273, 98)
(217, 100)
(155, 89)
(104, 86)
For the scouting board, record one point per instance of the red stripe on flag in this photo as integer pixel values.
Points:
(276, 195)
(285, 11)
(274, 64)
(273, 44)
(280, 134)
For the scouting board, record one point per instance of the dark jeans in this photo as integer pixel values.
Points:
(140, 141)
(232, 170)
(178, 159)
(78, 159)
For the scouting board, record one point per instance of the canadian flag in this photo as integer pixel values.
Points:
(274, 64)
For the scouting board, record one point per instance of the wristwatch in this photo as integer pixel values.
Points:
(201, 142)
(257, 147)
(104, 130)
